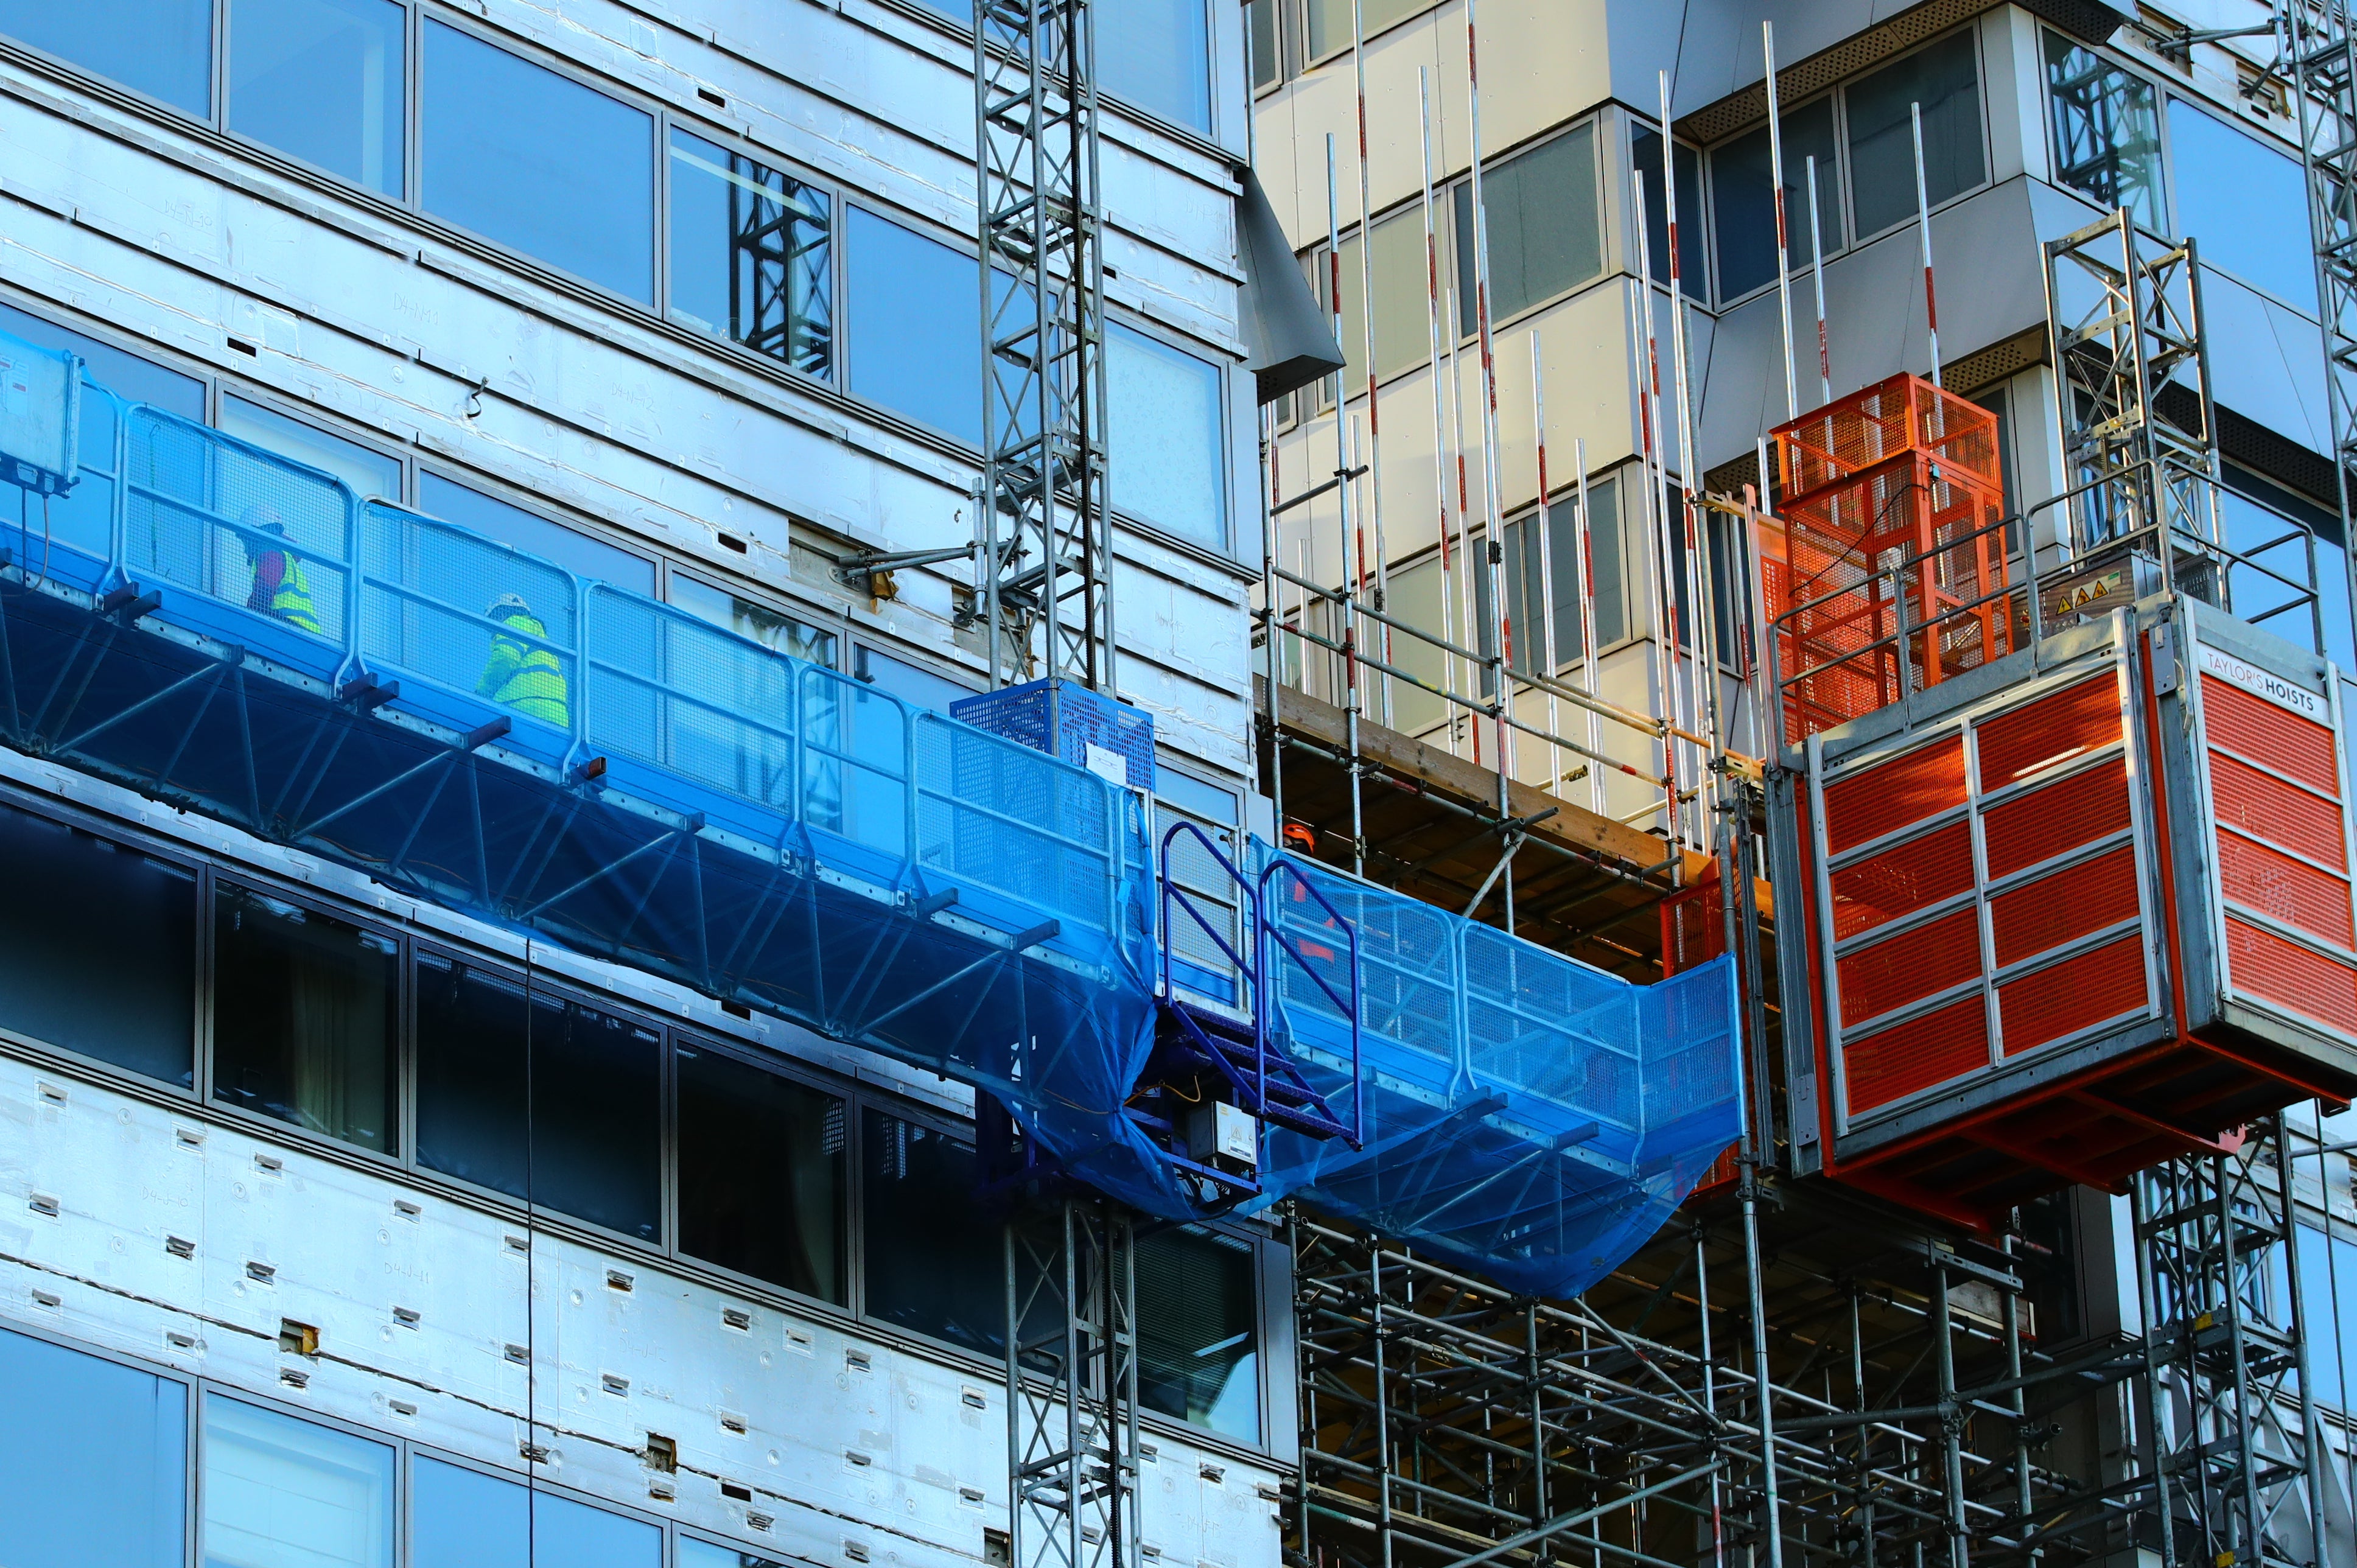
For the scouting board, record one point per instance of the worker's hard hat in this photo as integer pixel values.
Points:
(505, 602)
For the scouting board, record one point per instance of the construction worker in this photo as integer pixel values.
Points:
(524, 675)
(280, 588)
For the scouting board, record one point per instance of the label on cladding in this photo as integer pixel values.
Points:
(2280, 690)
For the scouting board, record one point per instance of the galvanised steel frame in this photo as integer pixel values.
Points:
(1042, 531)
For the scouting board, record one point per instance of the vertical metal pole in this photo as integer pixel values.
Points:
(1658, 581)
(1440, 430)
(1923, 225)
(1493, 515)
(1590, 656)
(1817, 275)
(1695, 666)
(1952, 1420)
(1783, 240)
(1542, 645)
(1347, 604)
(1374, 449)
(1272, 620)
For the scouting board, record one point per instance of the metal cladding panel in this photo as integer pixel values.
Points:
(2260, 823)
(1986, 898)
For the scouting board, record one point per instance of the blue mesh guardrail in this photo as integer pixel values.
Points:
(482, 727)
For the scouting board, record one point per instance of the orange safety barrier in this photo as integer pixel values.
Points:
(1888, 573)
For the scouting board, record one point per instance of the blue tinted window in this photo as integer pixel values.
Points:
(1945, 80)
(367, 470)
(277, 1489)
(1645, 152)
(912, 308)
(569, 548)
(322, 80)
(1157, 54)
(694, 1553)
(97, 1475)
(125, 375)
(2244, 204)
(917, 687)
(936, 1262)
(1168, 460)
(464, 1518)
(750, 254)
(161, 48)
(539, 162)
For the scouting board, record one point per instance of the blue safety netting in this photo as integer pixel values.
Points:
(239, 635)
(1526, 1115)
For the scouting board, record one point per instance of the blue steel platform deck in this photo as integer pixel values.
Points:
(773, 833)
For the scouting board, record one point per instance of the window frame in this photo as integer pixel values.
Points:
(1304, 62)
(1845, 242)
(1859, 240)
(1227, 548)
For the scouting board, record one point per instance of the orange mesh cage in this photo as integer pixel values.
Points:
(1888, 573)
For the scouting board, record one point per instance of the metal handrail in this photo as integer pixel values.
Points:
(1270, 930)
(1247, 970)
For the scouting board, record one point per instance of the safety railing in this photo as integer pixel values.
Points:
(588, 681)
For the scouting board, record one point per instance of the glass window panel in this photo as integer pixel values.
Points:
(1157, 54)
(465, 1518)
(569, 548)
(917, 687)
(2328, 1287)
(1743, 204)
(911, 303)
(1209, 802)
(1417, 595)
(558, 1102)
(283, 1493)
(761, 1173)
(106, 962)
(694, 1553)
(935, 1262)
(1402, 320)
(1543, 231)
(305, 1018)
(367, 470)
(1645, 153)
(1198, 1331)
(105, 1484)
(1329, 20)
(1945, 80)
(2106, 130)
(2271, 589)
(1607, 556)
(1167, 460)
(322, 80)
(161, 48)
(538, 162)
(752, 620)
(2243, 203)
(751, 252)
(1267, 62)
(123, 373)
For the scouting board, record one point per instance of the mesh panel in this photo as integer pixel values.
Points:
(2077, 994)
(2049, 732)
(428, 593)
(212, 516)
(2057, 818)
(1883, 798)
(2288, 890)
(2270, 809)
(2291, 977)
(1943, 1044)
(2264, 732)
(2073, 902)
(676, 692)
(1001, 815)
(1537, 1024)
(1901, 879)
(1911, 965)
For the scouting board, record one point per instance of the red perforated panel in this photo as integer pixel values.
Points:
(1886, 798)
(1916, 1055)
(2287, 975)
(2079, 992)
(2266, 732)
(1902, 878)
(2276, 811)
(1910, 966)
(2055, 818)
(2076, 901)
(2078, 719)
(2290, 890)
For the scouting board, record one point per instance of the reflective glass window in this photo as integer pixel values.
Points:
(751, 254)
(936, 1262)
(1168, 460)
(104, 963)
(1403, 317)
(367, 470)
(306, 1018)
(97, 1474)
(161, 48)
(753, 620)
(2277, 530)
(911, 306)
(1945, 80)
(538, 162)
(1157, 54)
(464, 1518)
(761, 1165)
(917, 687)
(2328, 1287)
(694, 1553)
(1198, 1331)
(1743, 200)
(1329, 20)
(2106, 130)
(284, 1493)
(1544, 232)
(323, 80)
(1645, 153)
(2244, 204)
(528, 530)
(556, 1102)
(1267, 63)
(123, 373)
